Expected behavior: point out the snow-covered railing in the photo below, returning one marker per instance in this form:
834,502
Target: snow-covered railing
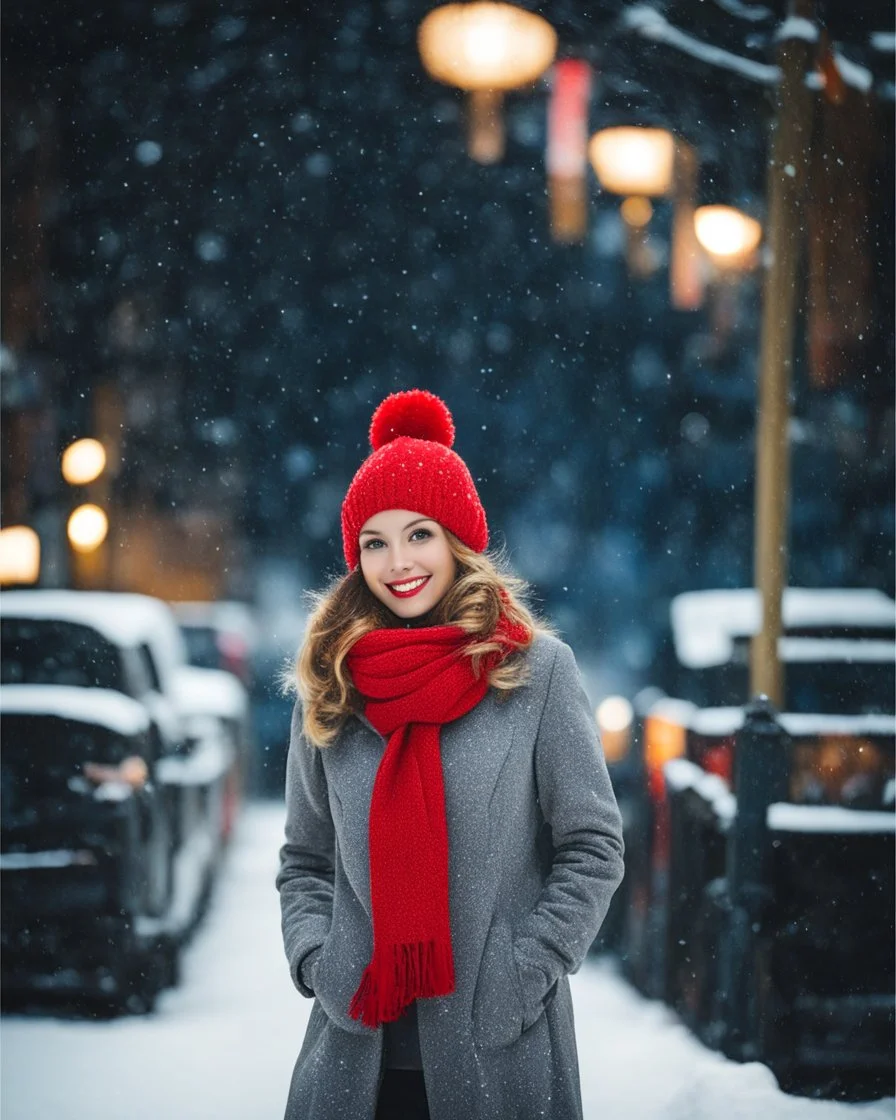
705,624
681,774
784,817
721,722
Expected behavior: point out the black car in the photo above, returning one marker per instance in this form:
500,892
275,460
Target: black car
84,848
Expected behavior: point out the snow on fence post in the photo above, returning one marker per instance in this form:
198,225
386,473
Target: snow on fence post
761,778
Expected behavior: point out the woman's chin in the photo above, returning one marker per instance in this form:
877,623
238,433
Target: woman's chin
410,616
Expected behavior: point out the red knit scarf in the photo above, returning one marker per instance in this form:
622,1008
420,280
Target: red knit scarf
413,681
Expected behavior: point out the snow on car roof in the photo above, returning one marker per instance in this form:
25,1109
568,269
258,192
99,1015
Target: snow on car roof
209,692
226,614
704,623
125,618
113,710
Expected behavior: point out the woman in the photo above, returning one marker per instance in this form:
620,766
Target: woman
452,839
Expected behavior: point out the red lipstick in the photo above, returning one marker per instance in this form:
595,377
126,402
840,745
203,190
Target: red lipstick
414,590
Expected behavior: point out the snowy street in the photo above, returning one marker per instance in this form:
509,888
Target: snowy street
221,1045
498,398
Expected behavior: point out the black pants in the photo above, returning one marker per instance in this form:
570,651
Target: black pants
402,1096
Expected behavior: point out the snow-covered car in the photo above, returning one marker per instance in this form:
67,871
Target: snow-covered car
84,847
218,635
91,639
131,643
214,705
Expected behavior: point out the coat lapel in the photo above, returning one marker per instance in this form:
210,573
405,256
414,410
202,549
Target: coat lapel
475,749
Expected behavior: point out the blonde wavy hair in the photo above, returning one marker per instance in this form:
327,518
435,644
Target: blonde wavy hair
483,589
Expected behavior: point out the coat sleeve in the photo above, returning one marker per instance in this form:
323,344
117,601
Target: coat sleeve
578,804
305,878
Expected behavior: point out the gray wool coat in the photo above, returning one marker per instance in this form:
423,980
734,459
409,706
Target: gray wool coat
535,854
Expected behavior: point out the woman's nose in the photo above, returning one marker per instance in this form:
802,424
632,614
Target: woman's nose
400,561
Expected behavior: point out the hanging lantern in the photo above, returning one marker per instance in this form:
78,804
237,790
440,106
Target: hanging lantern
633,160
728,235
566,152
19,555
485,48
640,163
83,461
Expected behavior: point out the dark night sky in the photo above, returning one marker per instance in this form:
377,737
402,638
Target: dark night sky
261,219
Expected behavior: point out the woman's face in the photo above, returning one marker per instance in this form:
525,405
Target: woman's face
406,561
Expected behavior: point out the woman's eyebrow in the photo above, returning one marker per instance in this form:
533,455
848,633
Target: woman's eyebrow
376,533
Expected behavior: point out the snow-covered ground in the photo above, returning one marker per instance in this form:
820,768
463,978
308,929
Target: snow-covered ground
221,1046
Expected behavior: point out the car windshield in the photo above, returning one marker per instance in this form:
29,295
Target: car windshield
51,651
202,646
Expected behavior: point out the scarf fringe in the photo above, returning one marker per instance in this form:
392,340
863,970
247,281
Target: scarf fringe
398,975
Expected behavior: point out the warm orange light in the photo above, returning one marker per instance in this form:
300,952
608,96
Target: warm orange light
633,160
19,555
87,528
83,461
636,211
614,721
663,740
728,235
132,771
485,45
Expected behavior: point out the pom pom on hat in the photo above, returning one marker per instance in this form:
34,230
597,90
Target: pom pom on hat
414,413
413,467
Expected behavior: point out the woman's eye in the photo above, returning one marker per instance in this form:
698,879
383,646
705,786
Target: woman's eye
422,534
371,543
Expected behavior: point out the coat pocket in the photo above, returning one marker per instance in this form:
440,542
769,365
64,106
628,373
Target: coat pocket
334,985
498,1004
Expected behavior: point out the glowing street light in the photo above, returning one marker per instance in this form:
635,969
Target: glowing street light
87,528
19,555
614,716
83,461
485,48
729,236
633,160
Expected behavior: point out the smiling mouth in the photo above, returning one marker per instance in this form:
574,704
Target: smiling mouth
408,587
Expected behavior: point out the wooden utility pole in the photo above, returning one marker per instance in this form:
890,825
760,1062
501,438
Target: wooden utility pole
787,171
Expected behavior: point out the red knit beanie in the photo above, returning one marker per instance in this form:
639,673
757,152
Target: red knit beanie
413,467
